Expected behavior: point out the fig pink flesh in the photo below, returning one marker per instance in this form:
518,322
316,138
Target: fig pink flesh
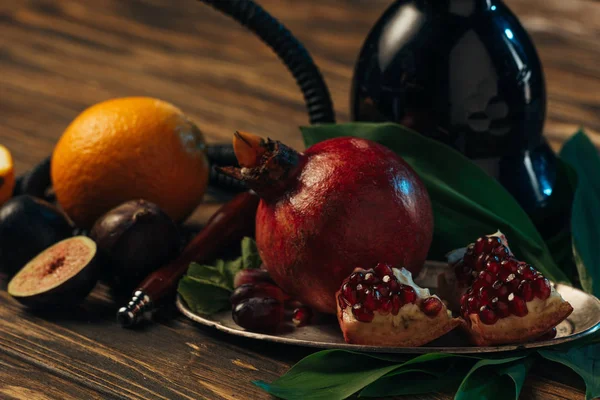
354,203
52,267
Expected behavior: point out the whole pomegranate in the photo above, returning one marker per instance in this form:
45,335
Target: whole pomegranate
343,203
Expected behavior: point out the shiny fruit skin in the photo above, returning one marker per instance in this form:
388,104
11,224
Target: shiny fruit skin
7,175
258,314
250,290
134,239
355,202
125,149
28,226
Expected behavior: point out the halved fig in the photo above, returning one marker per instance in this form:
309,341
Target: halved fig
62,275
384,307
503,300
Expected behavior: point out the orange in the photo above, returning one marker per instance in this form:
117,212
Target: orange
7,175
125,149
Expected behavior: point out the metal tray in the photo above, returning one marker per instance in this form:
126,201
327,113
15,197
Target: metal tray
325,333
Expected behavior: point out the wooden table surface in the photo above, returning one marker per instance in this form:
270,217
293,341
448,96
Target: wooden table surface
59,57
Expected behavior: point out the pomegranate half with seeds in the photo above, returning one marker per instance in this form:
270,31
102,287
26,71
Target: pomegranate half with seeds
342,203
503,300
384,307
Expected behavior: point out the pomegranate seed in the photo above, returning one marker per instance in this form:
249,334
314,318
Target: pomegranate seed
511,265
501,251
517,305
396,304
407,294
342,302
432,306
527,271
551,334
487,244
509,278
542,288
486,277
493,265
513,285
370,277
393,284
486,294
383,269
361,313
479,245
302,316
385,307
464,298
503,274
472,305
479,283
497,284
525,291
369,301
502,309
502,291
487,315
480,262
382,289
349,293
356,278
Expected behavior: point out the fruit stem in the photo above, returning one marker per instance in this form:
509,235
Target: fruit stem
248,148
268,166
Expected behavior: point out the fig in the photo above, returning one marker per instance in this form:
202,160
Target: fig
27,226
503,300
60,276
133,240
343,202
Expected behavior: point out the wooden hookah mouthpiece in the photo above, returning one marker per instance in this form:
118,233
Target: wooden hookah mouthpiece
229,224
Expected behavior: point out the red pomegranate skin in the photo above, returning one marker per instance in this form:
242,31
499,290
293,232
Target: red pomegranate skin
353,203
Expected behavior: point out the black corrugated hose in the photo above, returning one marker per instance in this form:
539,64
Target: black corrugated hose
288,49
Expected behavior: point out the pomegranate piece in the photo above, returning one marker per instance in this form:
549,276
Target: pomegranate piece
258,314
302,316
252,276
383,190
551,334
249,290
493,290
390,310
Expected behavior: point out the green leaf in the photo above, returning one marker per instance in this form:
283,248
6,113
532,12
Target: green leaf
210,275
250,256
203,297
328,375
583,156
467,202
442,374
500,378
585,361
563,192
206,288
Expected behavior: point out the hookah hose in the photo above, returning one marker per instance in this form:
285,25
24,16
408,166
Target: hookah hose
291,52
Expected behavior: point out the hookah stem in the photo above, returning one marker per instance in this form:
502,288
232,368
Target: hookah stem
295,57
288,49
229,224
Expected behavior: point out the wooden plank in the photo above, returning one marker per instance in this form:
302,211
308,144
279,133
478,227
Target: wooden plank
58,57
22,381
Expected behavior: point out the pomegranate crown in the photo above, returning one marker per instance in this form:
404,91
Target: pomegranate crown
266,166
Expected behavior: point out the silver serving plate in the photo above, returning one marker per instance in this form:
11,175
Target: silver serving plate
325,333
